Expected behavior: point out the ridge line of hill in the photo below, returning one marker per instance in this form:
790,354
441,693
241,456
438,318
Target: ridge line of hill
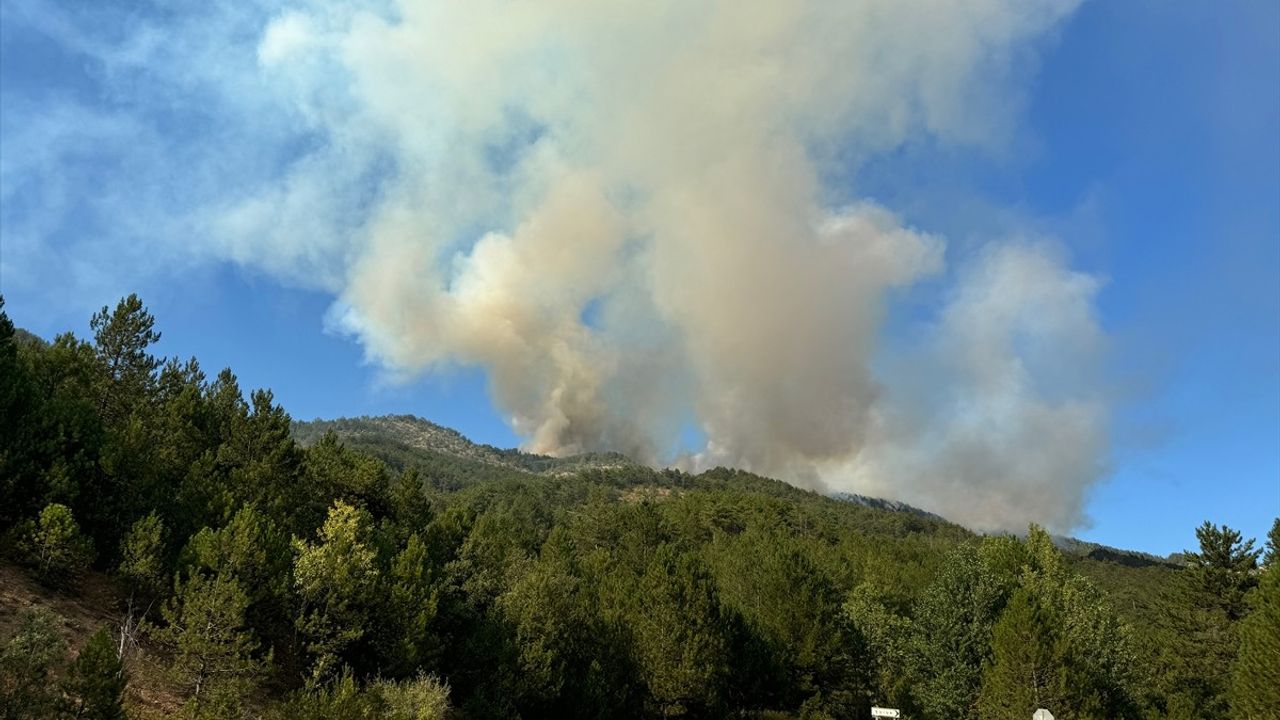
452,460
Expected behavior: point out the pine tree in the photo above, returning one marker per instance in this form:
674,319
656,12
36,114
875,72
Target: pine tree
19,408
121,338
250,549
55,548
214,653
817,656
338,472
681,638
543,609
9,367
142,558
254,552
1096,657
411,600
1255,677
96,680
1198,625
1223,568
28,662
410,506
887,635
1028,662
951,639
264,466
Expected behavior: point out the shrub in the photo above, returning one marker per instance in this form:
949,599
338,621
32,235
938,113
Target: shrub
95,682
28,662
424,698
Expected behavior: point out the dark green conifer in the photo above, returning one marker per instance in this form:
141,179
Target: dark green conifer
215,659
96,680
1028,669
1255,677
121,339
142,565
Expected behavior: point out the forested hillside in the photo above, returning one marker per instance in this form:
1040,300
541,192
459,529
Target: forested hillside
235,564
442,455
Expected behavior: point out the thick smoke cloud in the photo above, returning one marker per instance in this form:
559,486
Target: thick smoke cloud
621,211
1001,416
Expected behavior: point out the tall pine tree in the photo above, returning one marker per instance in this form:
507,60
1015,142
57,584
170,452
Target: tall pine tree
1255,677
215,662
121,338
1198,633
1028,669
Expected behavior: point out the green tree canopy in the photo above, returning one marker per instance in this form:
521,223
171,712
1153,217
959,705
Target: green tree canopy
411,603
28,662
887,635
335,579
951,639
19,440
1028,662
1224,567
121,339
681,634
215,654
96,680
1198,625
1273,543
1255,677
54,546
142,557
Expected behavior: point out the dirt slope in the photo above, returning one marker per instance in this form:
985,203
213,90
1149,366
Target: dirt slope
94,603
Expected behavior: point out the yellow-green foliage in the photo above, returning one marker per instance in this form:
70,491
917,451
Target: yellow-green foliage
54,546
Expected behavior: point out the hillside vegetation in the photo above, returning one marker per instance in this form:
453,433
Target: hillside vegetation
190,551
442,455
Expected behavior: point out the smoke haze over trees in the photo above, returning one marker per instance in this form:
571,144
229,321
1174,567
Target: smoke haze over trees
262,578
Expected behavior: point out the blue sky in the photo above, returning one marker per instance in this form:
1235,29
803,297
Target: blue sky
1146,142
1184,168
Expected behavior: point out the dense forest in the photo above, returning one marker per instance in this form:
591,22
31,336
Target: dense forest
246,571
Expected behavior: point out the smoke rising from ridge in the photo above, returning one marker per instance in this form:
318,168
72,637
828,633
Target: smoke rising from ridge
622,212
645,183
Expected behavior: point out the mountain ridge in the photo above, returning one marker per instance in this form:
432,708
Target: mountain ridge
452,460
400,440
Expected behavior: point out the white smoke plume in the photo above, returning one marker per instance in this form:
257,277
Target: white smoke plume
1002,416
620,210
